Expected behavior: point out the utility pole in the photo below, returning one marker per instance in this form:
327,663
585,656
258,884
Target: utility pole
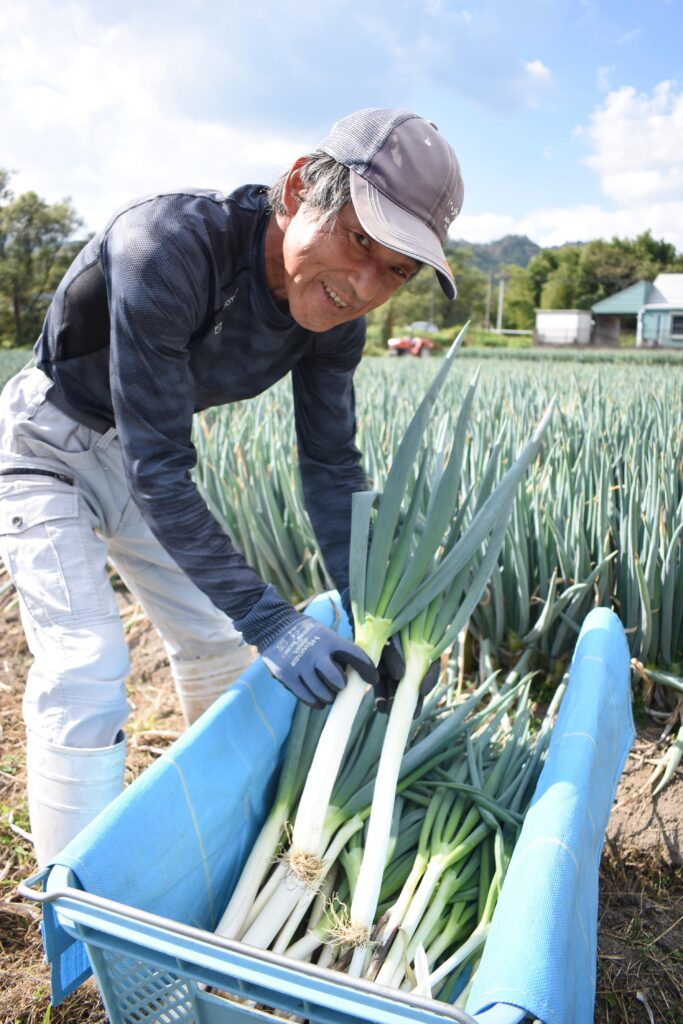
501,296
489,289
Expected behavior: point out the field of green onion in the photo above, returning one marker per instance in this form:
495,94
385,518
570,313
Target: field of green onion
598,520
397,880
502,508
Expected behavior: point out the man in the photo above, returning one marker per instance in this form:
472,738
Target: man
188,300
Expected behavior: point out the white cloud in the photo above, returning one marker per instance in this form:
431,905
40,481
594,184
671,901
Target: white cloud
535,83
637,153
482,227
628,37
103,125
103,103
636,140
558,225
537,69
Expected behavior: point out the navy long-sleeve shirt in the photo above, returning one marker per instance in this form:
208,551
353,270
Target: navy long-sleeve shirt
167,312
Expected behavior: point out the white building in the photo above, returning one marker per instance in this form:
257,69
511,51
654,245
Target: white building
563,326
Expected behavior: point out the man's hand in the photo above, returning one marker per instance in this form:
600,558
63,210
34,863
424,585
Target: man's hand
309,659
391,669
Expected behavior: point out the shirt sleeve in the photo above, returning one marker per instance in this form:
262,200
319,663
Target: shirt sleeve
330,462
159,287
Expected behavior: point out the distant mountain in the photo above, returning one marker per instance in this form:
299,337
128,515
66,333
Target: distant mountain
490,256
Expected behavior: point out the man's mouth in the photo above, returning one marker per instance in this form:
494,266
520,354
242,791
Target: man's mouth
339,303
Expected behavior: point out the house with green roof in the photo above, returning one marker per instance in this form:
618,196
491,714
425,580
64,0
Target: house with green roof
658,306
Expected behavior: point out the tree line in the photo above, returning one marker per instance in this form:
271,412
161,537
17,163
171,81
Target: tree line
38,242
569,277
37,245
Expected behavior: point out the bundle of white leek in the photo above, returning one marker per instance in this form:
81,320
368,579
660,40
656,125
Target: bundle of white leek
463,788
420,576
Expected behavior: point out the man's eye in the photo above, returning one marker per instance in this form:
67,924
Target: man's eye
362,239
401,273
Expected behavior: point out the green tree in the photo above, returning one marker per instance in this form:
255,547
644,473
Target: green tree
422,299
539,270
608,267
5,192
559,290
654,256
604,269
570,277
472,284
36,247
519,308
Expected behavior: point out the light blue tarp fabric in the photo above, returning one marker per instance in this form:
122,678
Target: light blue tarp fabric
541,952
173,842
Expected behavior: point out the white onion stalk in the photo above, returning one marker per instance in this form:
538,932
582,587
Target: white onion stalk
305,860
308,828
372,631
366,894
473,944
305,727
291,900
330,858
480,933
468,839
445,599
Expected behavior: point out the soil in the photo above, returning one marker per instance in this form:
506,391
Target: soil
640,932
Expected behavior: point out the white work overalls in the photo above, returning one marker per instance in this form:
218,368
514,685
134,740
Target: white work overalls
65,511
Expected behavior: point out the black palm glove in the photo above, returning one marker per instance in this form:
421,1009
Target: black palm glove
305,656
309,659
391,668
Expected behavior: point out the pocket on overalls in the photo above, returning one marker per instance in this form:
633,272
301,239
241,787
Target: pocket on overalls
35,524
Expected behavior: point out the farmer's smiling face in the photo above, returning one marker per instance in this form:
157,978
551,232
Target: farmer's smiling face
329,273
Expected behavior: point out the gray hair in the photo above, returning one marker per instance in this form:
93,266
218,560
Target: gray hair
327,185
328,189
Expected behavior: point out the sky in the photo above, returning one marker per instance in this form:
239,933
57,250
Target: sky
566,115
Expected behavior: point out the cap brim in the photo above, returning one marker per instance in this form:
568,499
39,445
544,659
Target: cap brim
391,225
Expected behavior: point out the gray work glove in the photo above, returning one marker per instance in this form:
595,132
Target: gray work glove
306,657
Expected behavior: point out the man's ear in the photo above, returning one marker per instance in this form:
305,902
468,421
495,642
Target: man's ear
292,192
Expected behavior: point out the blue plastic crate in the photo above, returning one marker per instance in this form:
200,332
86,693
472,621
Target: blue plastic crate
151,969
141,890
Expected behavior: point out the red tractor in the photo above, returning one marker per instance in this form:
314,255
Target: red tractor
414,346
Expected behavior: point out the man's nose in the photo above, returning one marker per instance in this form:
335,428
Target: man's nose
365,280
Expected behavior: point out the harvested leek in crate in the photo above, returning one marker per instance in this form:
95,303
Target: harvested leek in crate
463,788
421,585
140,885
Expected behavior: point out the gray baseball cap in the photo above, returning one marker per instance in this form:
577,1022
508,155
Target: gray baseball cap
406,184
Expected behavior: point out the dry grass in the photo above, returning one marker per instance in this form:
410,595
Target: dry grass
640,929
155,722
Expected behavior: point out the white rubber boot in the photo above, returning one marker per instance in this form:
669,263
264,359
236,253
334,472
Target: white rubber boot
67,788
201,681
